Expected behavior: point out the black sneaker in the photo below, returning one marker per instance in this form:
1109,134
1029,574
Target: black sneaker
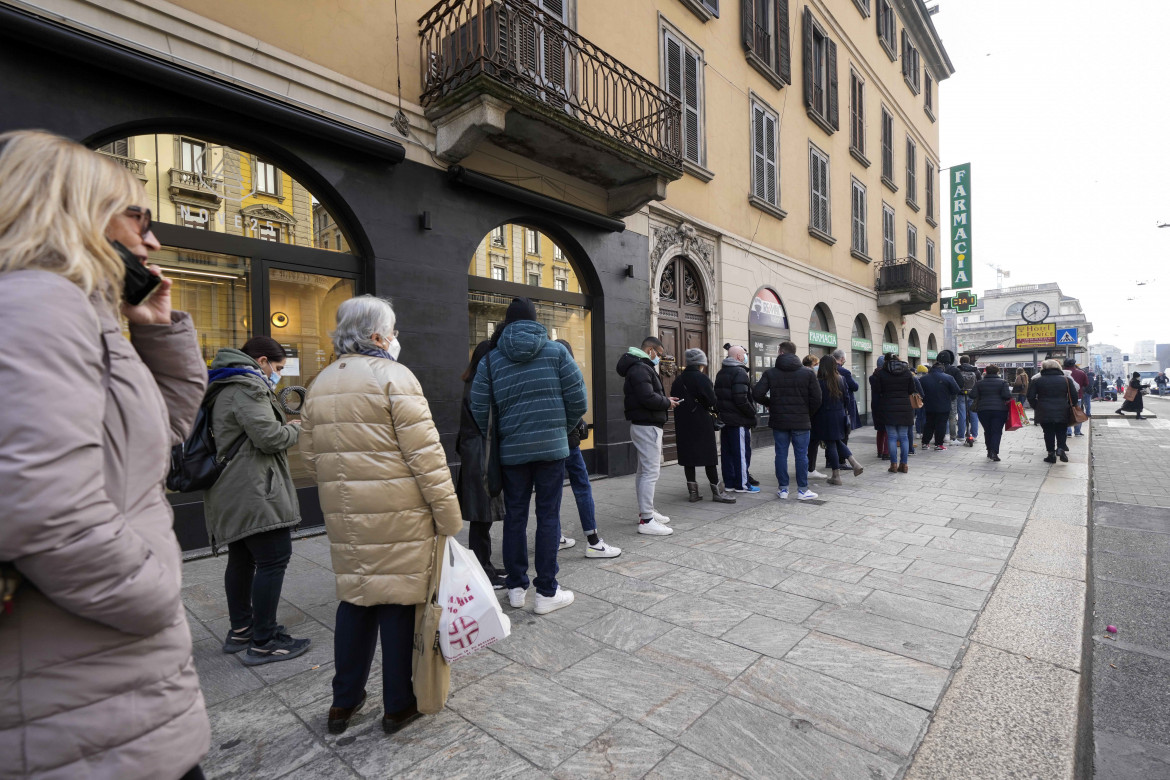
281,647
237,643
753,481
497,581
1063,456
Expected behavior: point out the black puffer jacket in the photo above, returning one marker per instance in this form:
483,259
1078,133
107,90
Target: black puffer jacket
791,393
1050,395
733,395
646,400
947,358
991,395
892,385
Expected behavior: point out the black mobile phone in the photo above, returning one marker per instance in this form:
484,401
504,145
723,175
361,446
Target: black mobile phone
139,282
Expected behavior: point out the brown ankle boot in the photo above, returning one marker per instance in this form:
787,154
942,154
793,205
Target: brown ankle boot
339,716
836,478
904,469
893,467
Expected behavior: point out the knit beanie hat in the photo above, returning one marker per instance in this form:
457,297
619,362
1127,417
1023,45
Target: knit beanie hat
921,369
696,357
520,309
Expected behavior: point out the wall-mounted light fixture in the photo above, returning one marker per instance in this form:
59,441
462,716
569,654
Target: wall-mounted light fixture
279,319
629,271
424,221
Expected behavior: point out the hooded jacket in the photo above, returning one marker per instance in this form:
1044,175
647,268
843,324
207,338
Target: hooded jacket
991,395
1052,395
791,393
255,493
967,368
948,360
733,395
96,674
538,390
382,475
892,385
938,388
646,402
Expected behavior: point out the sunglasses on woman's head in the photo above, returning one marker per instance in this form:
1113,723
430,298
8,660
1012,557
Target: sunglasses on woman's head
143,217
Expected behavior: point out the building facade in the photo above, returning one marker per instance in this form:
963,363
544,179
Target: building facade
988,331
707,171
1107,360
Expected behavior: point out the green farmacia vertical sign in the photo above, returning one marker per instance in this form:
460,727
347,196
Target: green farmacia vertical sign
961,226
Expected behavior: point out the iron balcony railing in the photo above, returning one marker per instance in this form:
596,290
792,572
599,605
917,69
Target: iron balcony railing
907,274
520,46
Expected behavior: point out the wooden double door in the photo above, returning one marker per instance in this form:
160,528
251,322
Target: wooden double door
682,325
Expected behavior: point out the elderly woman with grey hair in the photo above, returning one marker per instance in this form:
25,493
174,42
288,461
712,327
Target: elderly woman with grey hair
694,423
388,501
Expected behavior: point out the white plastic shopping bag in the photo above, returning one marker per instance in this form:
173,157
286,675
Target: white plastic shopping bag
472,618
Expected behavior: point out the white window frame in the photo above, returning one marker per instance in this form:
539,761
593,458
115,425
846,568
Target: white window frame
911,241
188,160
531,241
818,158
889,241
765,167
856,112
911,172
561,283
859,238
533,275
498,239
692,105
500,273
930,254
265,177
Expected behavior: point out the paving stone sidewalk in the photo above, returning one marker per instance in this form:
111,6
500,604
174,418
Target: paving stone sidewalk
764,639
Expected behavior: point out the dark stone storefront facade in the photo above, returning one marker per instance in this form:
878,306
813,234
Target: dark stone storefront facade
57,79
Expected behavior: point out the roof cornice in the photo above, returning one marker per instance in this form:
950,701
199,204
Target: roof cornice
915,17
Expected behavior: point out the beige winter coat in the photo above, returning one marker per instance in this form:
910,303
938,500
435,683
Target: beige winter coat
96,674
385,488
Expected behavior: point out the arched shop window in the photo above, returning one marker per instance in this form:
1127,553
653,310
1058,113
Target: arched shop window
914,350
520,261
252,251
767,327
931,347
890,339
861,362
822,335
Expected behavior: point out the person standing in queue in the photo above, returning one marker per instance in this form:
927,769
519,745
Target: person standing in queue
646,406
991,398
737,411
1052,395
939,390
694,423
252,508
792,396
893,387
879,422
829,421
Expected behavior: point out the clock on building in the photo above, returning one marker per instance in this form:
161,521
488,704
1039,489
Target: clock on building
1036,311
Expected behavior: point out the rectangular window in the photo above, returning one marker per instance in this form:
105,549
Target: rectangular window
266,177
561,284
886,27
192,153
888,150
498,236
930,254
534,279
765,183
683,73
888,248
928,92
531,241
909,62
911,172
765,39
499,273
818,178
930,173
856,112
558,255
859,242
820,74
911,242
863,6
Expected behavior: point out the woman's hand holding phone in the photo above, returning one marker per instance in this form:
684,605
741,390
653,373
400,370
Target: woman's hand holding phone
155,310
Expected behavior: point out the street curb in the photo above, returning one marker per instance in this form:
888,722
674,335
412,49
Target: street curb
1018,705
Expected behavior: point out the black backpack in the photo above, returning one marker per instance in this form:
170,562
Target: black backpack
969,380
193,463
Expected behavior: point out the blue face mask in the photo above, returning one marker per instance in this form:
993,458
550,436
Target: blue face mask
274,379
655,360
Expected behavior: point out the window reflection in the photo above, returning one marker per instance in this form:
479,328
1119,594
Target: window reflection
195,183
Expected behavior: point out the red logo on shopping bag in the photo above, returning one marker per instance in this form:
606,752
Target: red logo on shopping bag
462,600
463,632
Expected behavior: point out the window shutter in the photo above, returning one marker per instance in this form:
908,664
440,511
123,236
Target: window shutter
691,106
770,173
747,17
832,66
881,7
905,56
807,56
759,157
674,67
712,6
782,41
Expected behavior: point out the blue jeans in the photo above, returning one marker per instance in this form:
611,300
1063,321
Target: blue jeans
1087,406
799,442
966,407
547,478
899,436
579,479
354,641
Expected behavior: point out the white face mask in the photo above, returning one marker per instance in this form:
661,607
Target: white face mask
394,348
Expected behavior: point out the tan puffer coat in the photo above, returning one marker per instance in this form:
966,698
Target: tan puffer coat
385,488
96,674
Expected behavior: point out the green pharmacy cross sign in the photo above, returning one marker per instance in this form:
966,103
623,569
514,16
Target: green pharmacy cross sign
964,301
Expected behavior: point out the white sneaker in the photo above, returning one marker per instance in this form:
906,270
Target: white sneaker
661,517
805,495
654,528
517,596
818,475
567,542
602,550
782,494
547,604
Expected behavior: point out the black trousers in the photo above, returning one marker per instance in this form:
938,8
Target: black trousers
712,474
993,423
479,541
195,773
1055,435
354,642
936,427
253,579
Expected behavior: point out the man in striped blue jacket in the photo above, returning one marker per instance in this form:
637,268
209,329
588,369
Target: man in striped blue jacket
539,395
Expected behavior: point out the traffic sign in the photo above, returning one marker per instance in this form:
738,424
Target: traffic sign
1066,336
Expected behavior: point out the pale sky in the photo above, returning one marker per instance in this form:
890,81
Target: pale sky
1061,108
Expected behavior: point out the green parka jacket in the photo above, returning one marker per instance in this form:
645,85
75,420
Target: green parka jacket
255,492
